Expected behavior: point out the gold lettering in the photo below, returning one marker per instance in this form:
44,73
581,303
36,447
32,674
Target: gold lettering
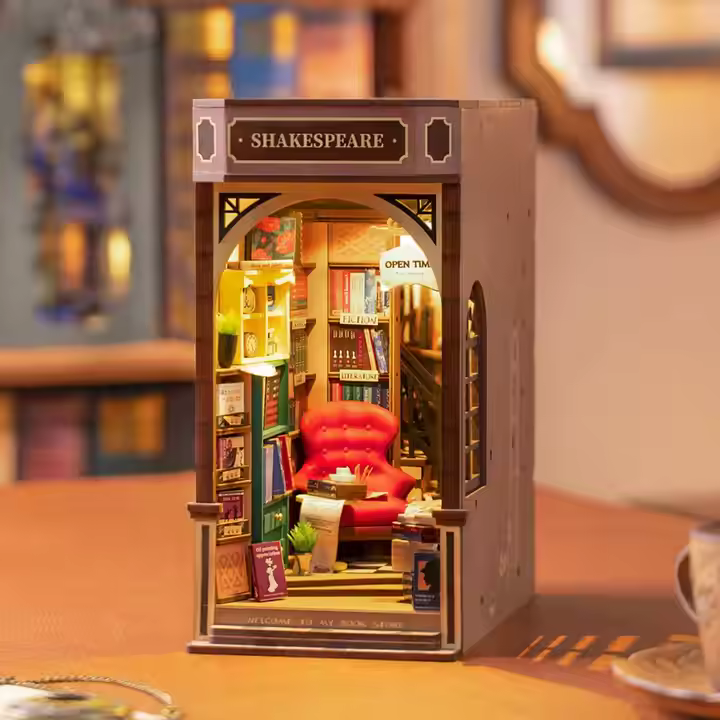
378,140
365,140
317,140
256,140
268,140
281,141
328,140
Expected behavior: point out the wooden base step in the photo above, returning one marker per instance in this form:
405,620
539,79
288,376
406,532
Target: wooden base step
293,649
395,590
371,614
340,579
323,638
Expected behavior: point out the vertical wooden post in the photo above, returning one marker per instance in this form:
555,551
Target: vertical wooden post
453,344
204,342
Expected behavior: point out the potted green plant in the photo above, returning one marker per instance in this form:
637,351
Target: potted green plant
228,329
303,537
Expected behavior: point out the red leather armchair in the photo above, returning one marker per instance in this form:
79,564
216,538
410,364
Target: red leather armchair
345,434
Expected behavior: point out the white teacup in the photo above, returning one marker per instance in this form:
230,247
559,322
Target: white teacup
697,585
342,475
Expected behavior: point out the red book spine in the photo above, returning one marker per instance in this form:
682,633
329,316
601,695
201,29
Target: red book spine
360,339
335,292
346,291
287,462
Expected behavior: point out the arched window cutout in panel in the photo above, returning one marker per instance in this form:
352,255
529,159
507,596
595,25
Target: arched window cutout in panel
476,392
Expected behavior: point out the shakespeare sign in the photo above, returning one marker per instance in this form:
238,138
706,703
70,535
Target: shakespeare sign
318,140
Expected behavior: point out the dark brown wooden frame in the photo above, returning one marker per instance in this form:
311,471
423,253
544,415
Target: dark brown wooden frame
578,128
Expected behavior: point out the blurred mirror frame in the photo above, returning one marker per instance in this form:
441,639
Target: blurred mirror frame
576,126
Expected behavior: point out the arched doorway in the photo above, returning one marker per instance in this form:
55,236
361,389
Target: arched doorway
414,388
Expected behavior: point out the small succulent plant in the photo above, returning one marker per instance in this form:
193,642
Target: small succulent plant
228,323
303,537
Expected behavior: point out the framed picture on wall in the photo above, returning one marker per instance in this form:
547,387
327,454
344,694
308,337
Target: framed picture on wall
272,239
659,33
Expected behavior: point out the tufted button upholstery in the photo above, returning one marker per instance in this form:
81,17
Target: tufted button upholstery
348,433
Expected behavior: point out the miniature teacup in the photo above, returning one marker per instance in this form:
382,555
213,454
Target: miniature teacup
342,475
697,585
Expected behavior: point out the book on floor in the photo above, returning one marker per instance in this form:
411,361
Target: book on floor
426,581
268,571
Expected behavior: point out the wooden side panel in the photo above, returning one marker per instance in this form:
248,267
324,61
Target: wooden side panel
453,317
315,250
8,439
498,195
205,342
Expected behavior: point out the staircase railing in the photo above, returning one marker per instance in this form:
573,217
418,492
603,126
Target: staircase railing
420,415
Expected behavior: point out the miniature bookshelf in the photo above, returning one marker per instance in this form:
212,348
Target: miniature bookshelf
290,308
233,482
265,288
272,491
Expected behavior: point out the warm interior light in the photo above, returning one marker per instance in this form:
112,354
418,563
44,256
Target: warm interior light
77,86
260,370
72,254
283,279
284,35
409,241
217,85
235,255
247,281
551,47
119,258
36,75
219,33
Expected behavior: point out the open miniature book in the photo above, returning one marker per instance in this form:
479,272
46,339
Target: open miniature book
419,512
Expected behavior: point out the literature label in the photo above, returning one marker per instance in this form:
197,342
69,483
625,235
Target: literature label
359,376
298,323
299,378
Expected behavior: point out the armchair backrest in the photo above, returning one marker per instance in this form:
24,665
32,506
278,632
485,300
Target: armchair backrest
349,433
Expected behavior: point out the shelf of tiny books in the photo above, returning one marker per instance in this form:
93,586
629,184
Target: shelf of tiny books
234,521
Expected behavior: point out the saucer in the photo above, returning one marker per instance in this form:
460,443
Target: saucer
674,675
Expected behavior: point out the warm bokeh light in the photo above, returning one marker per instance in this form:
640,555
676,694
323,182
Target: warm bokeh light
119,257
219,33
284,35
552,49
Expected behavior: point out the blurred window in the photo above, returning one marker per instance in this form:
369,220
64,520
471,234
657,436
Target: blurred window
475,392
132,426
73,145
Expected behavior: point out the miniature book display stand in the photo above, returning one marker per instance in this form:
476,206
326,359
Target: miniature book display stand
364,375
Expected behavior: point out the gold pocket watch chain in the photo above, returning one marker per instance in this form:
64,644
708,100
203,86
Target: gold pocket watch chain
169,711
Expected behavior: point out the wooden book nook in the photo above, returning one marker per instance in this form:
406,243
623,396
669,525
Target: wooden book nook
330,232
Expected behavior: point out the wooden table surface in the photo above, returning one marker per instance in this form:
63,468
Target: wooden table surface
101,583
